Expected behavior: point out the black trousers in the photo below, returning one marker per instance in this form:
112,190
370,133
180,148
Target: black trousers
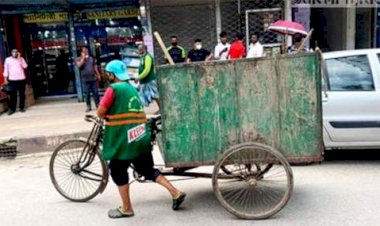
18,87
91,87
143,165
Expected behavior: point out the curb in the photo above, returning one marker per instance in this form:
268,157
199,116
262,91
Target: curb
22,146
40,144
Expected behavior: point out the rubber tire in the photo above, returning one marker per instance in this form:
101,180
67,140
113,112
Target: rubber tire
102,185
272,151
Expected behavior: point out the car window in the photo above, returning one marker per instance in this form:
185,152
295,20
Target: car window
351,73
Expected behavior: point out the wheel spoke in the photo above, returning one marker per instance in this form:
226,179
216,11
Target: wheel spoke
252,181
69,179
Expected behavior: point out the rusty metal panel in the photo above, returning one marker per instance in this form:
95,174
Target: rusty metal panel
300,107
218,109
207,108
181,131
258,101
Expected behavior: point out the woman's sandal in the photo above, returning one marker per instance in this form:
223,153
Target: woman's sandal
119,213
178,201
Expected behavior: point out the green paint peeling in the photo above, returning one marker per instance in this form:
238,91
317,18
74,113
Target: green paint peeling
207,108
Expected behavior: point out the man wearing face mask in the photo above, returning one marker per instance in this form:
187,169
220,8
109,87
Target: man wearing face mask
126,118
176,51
198,53
89,72
14,74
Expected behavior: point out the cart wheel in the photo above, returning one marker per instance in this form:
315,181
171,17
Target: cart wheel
69,175
252,181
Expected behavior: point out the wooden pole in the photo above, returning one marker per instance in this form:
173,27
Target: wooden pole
305,40
163,47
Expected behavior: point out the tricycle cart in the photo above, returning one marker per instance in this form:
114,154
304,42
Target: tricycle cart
248,118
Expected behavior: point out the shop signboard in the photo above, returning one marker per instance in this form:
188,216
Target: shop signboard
45,17
93,15
122,13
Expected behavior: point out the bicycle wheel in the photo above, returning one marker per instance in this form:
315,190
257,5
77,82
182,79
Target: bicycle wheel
252,181
71,177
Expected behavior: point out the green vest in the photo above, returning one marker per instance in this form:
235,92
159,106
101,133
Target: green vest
127,135
152,73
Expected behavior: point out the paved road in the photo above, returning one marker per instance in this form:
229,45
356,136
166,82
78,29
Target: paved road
337,192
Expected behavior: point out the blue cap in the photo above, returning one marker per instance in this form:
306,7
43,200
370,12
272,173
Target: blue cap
118,68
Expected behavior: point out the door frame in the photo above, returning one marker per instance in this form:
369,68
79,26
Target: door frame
251,11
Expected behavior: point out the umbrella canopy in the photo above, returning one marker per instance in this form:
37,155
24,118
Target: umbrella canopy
286,27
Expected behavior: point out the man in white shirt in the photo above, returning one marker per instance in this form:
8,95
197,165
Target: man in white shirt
255,48
223,47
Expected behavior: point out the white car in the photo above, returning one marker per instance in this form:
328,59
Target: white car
351,99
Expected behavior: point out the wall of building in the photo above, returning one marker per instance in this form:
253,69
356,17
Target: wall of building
188,22
204,19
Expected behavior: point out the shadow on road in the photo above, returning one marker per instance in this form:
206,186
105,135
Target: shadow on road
368,154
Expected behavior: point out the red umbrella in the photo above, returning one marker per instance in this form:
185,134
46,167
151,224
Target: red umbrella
287,27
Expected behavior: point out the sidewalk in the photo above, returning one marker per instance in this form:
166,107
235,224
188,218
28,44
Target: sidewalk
46,124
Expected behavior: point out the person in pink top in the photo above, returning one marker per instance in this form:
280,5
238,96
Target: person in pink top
14,74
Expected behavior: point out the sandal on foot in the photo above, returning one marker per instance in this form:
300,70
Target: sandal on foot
119,213
178,201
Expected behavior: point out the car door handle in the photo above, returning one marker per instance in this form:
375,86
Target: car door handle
325,97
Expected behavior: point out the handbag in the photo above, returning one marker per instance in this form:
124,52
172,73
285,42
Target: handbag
8,88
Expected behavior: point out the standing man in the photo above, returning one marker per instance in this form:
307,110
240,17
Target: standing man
237,50
14,74
297,39
255,48
63,72
221,50
90,75
147,77
198,53
176,51
122,106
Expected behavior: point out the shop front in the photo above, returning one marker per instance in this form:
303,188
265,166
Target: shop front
52,40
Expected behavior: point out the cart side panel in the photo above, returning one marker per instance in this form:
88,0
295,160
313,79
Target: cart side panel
179,109
258,101
300,108
218,120
208,107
